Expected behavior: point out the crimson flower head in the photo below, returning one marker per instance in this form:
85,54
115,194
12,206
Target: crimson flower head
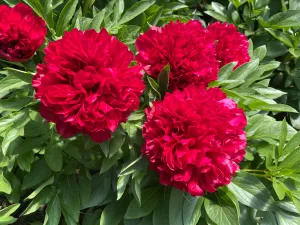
231,45
86,84
195,145
21,32
187,48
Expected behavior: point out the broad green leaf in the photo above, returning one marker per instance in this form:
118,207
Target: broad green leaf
160,214
10,83
97,21
53,212
54,156
118,10
292,144
153,20
10,135
121,185
150,198
69,195
192,209
226,70
87,5
36,6
294,4
7,211
285,218
7,220
92,217
272,108
291,161
42,198
286,19
283,135
40,188
296,199
163,80
100,188
114,212
281,36
29,144
216,15
260,53
135,10
5,186
22,75
14,104
39,173
65,17
116,143
107,163
222,210
177,199
131,167
173,6
279,189
244,70
85,186
250,191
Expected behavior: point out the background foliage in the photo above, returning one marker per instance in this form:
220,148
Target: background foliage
47,180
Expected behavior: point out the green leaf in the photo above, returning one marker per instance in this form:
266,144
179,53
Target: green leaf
9,210
39,173
150,198
153,20
100,188
222,210
70,200
14,104
121,185
272,108
296,199
42,198
163,80
160,214
292,144
250,191
244,70
135,10
92,218
291,161
10,135
192,209
85,186
36,6
10,83
133,166
282,137
279,189
40,188
114,212
97,20
283,37
173,6
118,10
53,212
54,156
29,144
116,143
22,75
226,70
5,186
107,163
177,199
216,15
65,17
260,53
286,19
7,220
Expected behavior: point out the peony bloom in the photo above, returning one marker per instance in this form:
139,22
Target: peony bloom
186,48
231,45
21,32
196,144
86,84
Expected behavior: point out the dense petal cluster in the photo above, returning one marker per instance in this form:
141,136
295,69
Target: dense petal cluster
197,143
87,85
231,45
21,32
195,54
186,48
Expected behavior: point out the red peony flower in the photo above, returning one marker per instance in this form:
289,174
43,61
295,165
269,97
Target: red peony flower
197,143
21,32
186,48
231,45
86,84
